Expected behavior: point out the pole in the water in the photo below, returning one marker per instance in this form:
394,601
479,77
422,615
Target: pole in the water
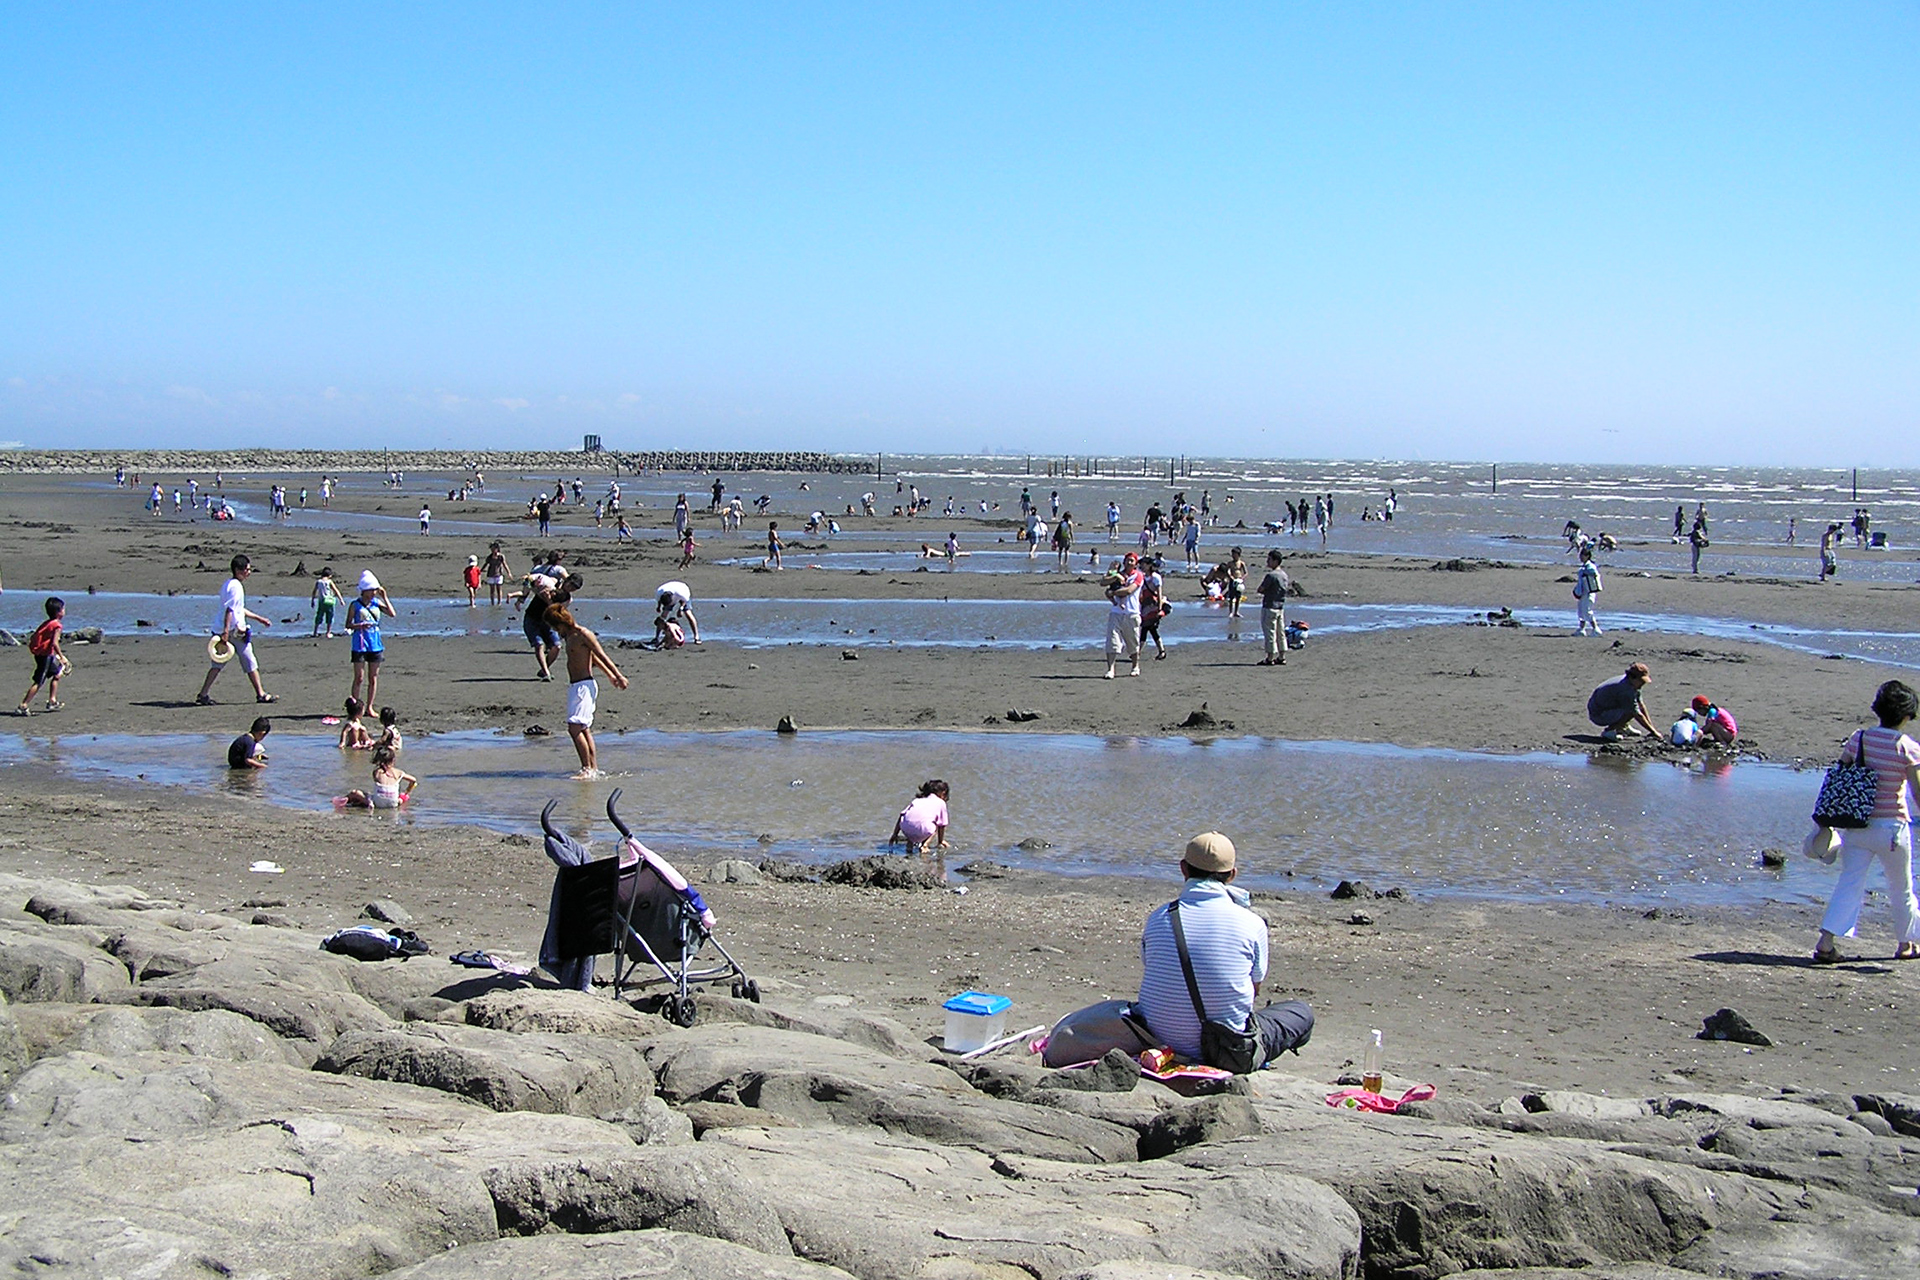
1856,484
1496,477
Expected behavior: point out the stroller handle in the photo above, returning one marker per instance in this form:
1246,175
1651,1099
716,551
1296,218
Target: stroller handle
613,814
546,818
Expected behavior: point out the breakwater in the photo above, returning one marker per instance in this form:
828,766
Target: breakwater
159,462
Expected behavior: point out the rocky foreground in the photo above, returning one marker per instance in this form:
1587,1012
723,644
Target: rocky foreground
192,1093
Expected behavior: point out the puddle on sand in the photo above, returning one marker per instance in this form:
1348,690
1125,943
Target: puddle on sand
1538,827
916,623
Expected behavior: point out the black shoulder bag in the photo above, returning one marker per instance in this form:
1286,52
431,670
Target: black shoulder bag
1222,1045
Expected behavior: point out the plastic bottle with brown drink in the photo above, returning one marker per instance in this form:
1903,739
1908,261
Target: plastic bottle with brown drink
1372,1070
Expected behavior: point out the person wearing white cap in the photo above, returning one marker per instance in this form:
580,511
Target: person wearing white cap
363,625
1204,956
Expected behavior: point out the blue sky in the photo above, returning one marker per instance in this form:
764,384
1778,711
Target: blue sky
1532,232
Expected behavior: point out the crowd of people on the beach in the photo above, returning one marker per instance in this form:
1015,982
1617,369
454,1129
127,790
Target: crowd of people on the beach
1207,938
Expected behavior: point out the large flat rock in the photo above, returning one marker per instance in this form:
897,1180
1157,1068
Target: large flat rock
155,1165
881,1034
617,1255
39,962
504,1070
115,1031
990,1125
311,1018
1438,1198
818,1081
698,1062
695,1189
927,1212
13,1045
563,1012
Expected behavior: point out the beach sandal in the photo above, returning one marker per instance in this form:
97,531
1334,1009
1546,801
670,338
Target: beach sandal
1907,951
203,700
1829,956
56,706
268,697
23,710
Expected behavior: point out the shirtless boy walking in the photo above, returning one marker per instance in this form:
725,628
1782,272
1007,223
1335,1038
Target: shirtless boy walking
584,654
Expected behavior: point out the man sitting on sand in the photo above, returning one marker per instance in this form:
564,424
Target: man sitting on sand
1226,952
1616,708
584,654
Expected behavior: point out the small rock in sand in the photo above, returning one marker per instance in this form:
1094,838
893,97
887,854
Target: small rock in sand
1359,889
1728,1025
387,911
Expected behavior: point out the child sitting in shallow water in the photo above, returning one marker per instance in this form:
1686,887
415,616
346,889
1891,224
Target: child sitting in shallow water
390,783
389,731
353,732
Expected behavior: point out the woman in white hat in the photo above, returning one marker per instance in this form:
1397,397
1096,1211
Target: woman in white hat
363,625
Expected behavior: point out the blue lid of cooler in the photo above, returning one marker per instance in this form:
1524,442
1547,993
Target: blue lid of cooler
981,1004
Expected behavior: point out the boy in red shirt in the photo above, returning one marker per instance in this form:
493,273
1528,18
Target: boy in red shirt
49,664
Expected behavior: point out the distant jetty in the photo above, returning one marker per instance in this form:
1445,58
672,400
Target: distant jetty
563,462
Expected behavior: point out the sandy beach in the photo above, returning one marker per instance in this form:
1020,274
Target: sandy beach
1480,997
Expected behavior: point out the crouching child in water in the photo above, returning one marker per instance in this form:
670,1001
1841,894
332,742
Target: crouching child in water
390,783
353,730
923,825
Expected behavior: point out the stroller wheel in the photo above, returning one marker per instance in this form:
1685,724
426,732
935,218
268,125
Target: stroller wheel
753,991
681,1011
738,991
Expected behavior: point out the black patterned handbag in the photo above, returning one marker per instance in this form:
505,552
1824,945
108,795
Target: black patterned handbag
1847,792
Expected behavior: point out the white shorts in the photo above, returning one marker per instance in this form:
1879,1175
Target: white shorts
1123,635
243,654
581,697
495,580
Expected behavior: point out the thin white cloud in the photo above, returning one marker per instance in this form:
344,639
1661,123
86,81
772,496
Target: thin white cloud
512,402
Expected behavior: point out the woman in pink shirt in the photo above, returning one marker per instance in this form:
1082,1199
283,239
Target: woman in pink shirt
1895,760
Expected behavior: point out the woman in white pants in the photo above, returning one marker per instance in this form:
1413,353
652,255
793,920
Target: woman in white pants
1887,839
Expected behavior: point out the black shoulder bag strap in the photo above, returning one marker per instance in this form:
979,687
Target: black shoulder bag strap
1186,961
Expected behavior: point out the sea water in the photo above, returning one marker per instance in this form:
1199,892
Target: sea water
908,623
1445,509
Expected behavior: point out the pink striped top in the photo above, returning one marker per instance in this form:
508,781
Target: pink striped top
1891,755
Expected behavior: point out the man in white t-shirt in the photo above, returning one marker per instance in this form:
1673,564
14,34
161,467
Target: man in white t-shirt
1226,944
1123,619
234,629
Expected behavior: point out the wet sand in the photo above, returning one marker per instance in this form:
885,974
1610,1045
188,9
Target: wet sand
1481,997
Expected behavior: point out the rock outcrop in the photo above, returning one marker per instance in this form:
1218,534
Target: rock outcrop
191,1093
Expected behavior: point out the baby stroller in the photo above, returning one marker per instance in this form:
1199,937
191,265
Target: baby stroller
636,906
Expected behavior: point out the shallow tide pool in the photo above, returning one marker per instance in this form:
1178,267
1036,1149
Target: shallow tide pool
1305,815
